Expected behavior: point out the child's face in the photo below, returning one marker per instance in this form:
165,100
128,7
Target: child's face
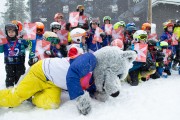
11,33
170,29
94,25
107,22
55,30
59,19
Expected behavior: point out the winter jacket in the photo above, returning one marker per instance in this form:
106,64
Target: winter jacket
92,47
107,39
80,67
14,51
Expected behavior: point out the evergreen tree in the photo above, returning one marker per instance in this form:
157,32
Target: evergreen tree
16,10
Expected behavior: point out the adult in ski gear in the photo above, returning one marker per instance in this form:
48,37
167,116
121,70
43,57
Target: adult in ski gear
14,55
46,79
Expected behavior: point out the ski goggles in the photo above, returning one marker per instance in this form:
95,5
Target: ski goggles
53,40
143,37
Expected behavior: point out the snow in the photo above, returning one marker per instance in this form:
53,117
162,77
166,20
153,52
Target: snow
152,100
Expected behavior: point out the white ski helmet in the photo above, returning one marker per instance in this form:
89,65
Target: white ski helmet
77,34
140,35
55,25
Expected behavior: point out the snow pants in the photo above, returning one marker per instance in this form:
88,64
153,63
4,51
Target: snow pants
43,92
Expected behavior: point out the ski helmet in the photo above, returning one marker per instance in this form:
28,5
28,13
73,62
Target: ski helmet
77,34
94,20
167,24
58,16
55,25
140,35
51,37
118,24
118,43
146,26
40,27
79,8
11,26
131,27
107,18
18,23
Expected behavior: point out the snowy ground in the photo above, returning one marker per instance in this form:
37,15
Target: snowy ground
151,100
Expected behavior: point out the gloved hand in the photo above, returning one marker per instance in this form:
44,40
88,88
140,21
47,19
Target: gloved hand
103,35
32,61
160,57
48,52
83,103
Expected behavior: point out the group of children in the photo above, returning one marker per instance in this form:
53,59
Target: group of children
81,40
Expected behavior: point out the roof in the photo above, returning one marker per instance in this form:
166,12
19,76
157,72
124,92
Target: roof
175,2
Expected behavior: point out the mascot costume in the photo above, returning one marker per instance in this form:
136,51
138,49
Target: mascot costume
89,76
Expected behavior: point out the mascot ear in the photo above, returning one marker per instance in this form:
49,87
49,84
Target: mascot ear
130,55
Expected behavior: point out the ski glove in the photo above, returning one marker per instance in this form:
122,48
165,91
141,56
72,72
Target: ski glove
83,103
32,61
103,35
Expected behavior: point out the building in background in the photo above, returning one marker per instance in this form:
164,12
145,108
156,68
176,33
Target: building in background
164,10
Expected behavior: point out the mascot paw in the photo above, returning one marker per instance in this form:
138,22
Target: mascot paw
101,96
83,104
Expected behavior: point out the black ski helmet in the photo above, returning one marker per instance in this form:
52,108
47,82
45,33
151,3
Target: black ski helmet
11,26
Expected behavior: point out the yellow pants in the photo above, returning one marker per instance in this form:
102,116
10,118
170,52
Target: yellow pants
44,93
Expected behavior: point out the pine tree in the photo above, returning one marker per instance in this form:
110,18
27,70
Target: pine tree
16,10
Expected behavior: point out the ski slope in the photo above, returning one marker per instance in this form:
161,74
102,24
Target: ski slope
152,100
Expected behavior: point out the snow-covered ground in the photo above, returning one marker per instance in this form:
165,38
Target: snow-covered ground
151,100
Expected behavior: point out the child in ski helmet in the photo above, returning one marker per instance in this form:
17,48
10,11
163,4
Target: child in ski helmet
55,44
55,26
167,36
78,43
14,55
39,36
58,17
93,45
176,32
107,39
146,27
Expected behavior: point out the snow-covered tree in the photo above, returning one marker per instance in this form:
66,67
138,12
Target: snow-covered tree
16,10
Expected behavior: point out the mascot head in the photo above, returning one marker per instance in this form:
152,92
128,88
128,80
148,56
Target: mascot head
112,64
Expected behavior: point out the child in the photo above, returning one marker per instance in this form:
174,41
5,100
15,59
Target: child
140,70
129,31
39,36
167,36
107,39
93,45
14,55
55,44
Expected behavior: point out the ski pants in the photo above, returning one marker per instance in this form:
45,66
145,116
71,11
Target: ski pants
43,92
